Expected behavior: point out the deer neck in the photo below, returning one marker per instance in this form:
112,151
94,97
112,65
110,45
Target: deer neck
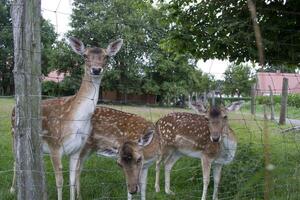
86,98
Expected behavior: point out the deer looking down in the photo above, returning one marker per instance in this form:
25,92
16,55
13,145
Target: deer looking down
66,122
206,137
130,139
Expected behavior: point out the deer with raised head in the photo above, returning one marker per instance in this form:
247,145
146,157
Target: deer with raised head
128,138
66,122
206,137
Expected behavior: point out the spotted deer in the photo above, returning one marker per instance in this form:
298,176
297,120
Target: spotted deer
128,138
207,137
66,122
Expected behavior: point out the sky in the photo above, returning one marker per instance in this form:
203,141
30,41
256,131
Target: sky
58,13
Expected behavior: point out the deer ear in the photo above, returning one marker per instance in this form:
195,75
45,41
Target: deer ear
146,138
114,47
108,152
77,45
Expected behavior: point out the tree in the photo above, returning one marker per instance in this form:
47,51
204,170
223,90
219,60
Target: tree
97,23
6,49
238,80
141,66
48,38
223,29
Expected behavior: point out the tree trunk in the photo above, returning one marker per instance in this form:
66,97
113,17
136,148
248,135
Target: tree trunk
27,71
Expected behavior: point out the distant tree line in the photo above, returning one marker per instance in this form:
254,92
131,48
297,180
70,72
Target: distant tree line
163,42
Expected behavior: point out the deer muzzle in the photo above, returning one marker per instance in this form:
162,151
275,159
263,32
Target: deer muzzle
96,71
133,188
215,138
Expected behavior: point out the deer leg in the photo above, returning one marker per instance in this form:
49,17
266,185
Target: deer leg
206,166
144,183
57,165
129,196
157,173
13,185
72,167
217,169
85,152
169,163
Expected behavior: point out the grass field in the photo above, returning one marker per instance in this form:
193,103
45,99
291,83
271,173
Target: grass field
292,112
243,179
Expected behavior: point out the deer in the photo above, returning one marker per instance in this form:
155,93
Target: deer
66,122
207,137
126,137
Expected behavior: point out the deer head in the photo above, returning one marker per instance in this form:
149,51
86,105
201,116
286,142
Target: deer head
217,122
130,158
95,58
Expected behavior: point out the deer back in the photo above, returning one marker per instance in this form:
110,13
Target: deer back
122,127
186,131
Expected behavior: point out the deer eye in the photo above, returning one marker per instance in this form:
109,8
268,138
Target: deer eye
85,56
225,117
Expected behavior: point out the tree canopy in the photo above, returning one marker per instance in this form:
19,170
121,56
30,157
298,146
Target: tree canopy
238,80
141,66
223,29
48,38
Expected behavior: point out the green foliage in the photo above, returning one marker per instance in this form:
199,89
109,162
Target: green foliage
238,80
6,49
141,66
293,100
67,87
98,23
222,29
48,38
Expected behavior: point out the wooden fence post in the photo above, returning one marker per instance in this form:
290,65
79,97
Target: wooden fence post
272,104
213,98
253,94
284,98
30,178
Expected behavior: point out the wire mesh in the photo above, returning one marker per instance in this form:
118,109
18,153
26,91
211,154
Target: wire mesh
244,178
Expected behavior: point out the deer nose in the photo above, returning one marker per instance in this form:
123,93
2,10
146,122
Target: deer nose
215,139
134,190
96,71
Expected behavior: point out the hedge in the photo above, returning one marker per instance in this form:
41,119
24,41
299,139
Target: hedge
293,100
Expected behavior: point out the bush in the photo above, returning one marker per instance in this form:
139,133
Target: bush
65,88
293,100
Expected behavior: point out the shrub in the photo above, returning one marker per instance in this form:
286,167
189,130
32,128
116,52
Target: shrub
293,100
65,88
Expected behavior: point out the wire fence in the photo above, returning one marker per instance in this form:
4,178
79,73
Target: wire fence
266,165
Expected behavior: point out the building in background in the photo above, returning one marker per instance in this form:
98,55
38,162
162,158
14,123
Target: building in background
274,79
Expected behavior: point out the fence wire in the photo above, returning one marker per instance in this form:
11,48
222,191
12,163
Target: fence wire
264,146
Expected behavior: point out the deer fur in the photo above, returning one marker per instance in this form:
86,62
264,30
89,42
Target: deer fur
206,137
128,138
66,122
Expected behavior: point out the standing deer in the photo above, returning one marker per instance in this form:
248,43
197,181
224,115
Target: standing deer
206,137
130,139
66,122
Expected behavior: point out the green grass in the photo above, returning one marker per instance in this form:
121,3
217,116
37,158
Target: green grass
292,112
243,179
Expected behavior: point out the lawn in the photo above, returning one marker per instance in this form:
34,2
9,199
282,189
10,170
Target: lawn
243,179
292,112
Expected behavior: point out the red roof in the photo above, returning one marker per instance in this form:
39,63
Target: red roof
264,79
55,76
